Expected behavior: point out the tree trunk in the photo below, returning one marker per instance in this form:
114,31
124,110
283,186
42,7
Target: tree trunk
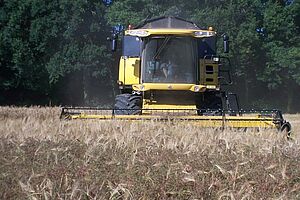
85,87
290,96
246,91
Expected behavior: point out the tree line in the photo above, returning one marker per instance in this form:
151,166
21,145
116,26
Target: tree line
56,52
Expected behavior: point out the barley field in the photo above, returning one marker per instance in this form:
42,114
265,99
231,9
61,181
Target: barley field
42,157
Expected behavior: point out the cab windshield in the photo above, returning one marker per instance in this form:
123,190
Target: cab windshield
169,60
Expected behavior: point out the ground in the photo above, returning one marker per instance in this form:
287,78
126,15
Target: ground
43,157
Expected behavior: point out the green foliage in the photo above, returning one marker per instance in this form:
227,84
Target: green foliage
281,45
18,55
44,42
270,58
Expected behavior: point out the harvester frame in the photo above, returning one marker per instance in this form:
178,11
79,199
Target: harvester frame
254,119
170,70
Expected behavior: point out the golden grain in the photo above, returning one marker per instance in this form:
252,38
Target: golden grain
44,157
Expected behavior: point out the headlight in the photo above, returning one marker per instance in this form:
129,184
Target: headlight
203,33
196,88
216,59
140,33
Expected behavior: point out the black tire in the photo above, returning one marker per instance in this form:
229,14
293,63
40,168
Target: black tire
286,128
209,103
128,104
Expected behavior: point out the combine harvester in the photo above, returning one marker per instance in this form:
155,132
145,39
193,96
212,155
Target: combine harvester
169,70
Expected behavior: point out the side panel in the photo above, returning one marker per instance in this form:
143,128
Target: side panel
207,47
209,72
129,70
131,46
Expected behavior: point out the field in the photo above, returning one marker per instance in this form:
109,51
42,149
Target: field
42,157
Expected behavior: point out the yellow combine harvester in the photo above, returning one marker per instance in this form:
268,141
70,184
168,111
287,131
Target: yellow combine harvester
170,70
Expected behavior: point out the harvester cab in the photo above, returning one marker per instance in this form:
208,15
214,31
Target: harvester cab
170,70
170,63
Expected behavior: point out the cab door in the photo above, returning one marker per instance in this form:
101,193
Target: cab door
130,62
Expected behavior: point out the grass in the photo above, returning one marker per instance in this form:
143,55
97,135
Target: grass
44,158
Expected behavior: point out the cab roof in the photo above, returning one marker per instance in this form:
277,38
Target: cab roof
169,25
167,22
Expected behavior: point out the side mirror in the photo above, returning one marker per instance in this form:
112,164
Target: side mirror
114,43
116,30
226,43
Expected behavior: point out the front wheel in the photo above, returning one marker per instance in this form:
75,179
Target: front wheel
286,129
128,104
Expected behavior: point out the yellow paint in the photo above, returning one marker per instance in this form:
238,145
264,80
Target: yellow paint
166,31
202,121
204,75
148,105
129,70
168,86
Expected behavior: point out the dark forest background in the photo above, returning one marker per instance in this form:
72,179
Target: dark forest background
55,52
